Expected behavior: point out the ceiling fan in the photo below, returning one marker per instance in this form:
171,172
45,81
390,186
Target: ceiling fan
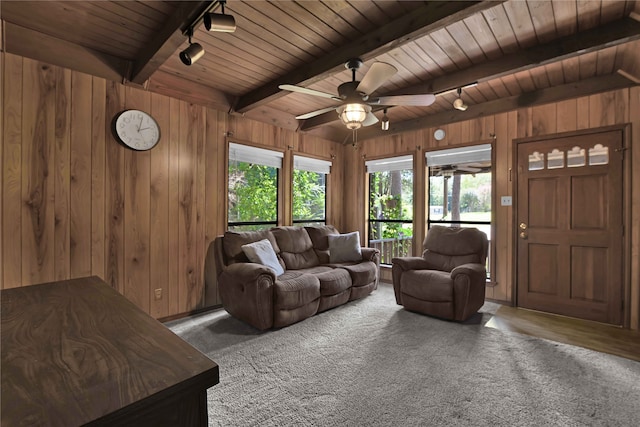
450,170
356,98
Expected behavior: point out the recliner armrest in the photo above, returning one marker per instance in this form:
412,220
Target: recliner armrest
475,271
411,263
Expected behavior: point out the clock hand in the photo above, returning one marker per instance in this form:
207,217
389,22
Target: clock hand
140,124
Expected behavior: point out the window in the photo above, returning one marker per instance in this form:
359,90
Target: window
310,190
253,187
460,189
391,206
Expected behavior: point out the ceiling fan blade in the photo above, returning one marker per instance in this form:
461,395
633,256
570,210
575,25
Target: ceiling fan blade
306,91
423,100
379,73
315,113
468,168
370,120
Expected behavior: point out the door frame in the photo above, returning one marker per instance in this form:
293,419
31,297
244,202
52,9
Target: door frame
626,209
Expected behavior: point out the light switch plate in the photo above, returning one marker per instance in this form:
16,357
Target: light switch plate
505,200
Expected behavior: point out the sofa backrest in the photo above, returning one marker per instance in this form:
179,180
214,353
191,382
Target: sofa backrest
233,241
446,248
296,248
318,235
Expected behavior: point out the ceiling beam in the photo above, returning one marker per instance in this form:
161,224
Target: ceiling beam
168,40
578,89
615,33
41,47
430,17
180,88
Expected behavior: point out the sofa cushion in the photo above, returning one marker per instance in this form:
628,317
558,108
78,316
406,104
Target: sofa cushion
296,248
296,292
362,273
262,252
334,281
344,247
233,241
318,235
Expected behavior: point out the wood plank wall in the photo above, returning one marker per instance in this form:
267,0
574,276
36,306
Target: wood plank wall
76,203
611,108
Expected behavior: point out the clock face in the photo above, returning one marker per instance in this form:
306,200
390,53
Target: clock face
137,130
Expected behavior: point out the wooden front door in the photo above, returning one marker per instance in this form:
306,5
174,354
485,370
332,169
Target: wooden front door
569,226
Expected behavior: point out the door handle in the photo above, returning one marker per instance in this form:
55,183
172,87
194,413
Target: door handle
523,235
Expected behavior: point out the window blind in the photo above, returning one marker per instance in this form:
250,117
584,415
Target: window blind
459,155
311,165
258,156
390,164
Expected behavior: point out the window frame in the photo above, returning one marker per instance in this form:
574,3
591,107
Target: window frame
246,146
376,165
491,276
311,164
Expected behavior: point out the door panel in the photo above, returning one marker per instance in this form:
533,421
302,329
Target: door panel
569,220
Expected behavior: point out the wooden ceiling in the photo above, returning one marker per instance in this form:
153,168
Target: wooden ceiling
507,54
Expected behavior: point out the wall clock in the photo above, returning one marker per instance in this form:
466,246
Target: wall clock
136,129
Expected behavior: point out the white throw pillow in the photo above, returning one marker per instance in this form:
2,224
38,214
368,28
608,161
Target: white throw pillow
344,247
261,252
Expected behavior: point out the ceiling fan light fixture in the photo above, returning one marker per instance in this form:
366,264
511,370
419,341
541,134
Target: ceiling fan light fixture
219,22
353,114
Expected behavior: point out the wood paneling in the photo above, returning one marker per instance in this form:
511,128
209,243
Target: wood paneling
77,203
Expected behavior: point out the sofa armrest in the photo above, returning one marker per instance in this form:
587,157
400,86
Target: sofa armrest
370,254
246,291
411,263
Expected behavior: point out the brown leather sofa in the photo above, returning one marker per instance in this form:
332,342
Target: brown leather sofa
310,284
449,280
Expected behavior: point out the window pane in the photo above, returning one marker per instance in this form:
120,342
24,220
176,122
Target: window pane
391,213
309,196
253,194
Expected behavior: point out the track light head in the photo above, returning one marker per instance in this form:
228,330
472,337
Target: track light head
219,22
191,54
385,121
459,104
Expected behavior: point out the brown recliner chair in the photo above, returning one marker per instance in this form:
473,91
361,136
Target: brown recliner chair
449,280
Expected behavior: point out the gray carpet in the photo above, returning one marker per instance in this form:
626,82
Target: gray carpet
372,363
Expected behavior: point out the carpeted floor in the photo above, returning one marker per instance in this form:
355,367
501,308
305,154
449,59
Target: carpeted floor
372,363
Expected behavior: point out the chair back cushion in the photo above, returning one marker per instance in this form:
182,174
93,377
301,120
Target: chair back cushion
446,248
296,248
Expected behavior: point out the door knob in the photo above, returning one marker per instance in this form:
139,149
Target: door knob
523,235
523,226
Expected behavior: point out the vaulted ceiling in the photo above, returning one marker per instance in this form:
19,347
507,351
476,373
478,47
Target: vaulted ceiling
506,54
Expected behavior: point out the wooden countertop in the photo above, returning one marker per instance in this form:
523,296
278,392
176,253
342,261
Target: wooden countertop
76,351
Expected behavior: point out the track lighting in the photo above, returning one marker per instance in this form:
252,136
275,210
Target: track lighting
385,121
459,104
192,53
219,21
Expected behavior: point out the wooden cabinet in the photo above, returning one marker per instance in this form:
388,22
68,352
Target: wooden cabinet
76,352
